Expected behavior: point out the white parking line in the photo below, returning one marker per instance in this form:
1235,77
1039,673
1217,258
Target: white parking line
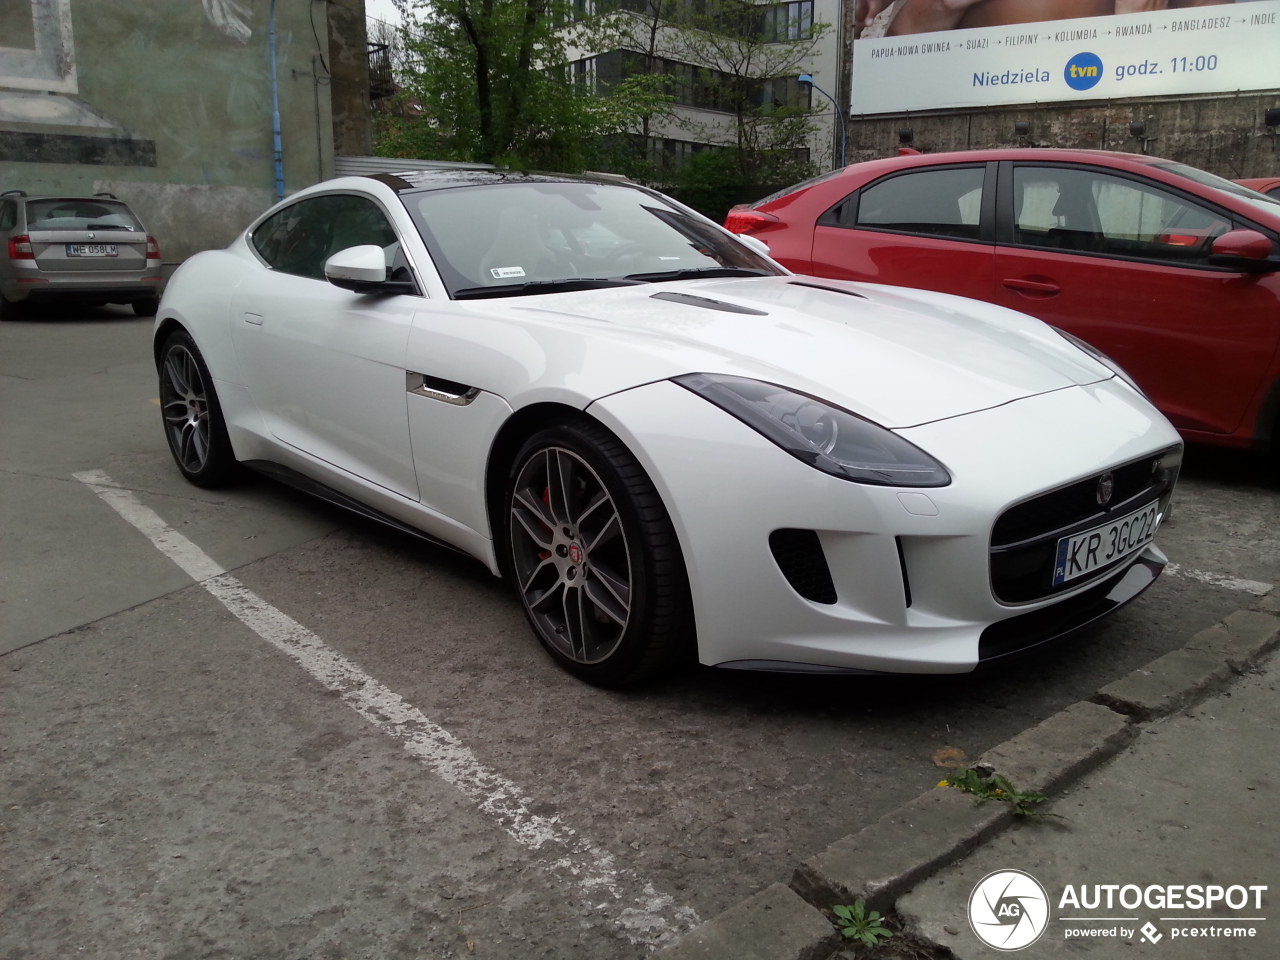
1256,587
645,915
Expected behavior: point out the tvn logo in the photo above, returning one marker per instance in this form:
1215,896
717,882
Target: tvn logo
1083,71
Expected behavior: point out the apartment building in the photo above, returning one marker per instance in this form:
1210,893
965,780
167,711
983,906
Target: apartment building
719,60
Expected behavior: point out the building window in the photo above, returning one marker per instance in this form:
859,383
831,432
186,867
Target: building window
692,86
787,21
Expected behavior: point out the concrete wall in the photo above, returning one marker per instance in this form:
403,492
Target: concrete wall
349,87
1222,134
167,103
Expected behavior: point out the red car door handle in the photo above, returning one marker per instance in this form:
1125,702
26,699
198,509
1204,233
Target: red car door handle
1032,286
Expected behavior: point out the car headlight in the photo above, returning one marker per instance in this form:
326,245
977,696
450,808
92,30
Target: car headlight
834,441
1102,358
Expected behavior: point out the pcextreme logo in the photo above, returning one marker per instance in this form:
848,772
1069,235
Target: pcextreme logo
1008,910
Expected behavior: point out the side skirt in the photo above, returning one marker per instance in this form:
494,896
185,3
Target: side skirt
315,488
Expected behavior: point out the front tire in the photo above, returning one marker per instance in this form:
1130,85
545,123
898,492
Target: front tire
193,423
594,557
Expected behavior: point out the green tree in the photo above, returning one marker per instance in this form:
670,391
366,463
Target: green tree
489,81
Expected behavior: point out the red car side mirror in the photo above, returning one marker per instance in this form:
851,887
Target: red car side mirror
1246,250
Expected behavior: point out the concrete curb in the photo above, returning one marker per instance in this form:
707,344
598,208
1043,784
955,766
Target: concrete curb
883,861
775,924
1211,658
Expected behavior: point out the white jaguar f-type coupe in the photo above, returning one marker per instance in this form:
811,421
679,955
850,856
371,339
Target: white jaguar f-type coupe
664,440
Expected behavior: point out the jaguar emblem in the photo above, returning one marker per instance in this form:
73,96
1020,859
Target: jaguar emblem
1106,487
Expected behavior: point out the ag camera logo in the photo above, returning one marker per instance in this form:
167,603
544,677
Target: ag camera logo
1008,910
1083,71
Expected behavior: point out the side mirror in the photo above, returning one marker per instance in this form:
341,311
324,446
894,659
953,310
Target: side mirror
363,269
1245,250
755,243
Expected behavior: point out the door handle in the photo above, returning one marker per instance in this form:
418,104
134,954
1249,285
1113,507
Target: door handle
1032,286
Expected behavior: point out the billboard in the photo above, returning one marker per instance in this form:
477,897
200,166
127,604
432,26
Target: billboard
934,54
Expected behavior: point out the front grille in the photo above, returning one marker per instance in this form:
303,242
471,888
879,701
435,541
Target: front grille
800,558
1025,537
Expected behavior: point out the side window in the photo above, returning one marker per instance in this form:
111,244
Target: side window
938,203
1089,212
300,238
8,214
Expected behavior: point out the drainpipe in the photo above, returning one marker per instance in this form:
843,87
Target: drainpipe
275,107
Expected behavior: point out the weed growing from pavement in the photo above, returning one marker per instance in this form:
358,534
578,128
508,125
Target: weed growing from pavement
858,923
992,786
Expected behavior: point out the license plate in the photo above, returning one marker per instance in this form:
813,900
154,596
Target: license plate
92,250
1086,552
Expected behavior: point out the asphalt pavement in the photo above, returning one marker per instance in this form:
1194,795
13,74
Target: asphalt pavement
175,785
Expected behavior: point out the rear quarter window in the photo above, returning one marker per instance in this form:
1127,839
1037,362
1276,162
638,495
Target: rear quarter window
940,203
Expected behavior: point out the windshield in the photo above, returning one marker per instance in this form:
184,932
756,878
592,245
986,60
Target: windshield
80,215
513,238
1207,179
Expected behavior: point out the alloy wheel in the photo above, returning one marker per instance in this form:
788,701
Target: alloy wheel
570,554
185,405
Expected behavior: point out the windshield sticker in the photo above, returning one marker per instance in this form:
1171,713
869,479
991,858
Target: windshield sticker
503,273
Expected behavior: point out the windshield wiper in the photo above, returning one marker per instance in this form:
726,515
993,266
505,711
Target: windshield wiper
107,226
690,273
541,286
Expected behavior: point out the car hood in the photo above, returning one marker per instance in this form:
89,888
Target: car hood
896,356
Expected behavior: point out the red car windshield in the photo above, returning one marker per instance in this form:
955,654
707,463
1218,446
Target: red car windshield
1269,204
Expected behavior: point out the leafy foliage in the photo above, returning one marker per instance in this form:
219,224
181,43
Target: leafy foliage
489,81
995,787
857,923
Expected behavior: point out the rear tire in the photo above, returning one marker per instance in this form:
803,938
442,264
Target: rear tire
145,308
193,423
593,556
9,310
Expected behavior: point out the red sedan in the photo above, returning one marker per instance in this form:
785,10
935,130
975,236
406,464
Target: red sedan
1167,269
1268,185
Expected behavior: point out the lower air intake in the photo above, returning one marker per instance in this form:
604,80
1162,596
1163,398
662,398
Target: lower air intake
800,558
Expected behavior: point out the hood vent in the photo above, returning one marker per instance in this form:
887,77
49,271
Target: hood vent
818,286
689,300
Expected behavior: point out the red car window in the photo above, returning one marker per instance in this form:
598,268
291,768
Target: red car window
1091,212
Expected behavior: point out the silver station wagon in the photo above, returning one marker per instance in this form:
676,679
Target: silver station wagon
89,250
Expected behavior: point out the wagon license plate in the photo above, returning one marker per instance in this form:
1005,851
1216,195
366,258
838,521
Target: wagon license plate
92,250
1086,552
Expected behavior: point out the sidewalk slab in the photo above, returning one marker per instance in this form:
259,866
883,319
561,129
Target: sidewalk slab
775,924
1192,801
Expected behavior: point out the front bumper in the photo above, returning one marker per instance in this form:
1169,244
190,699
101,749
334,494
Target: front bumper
910,568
